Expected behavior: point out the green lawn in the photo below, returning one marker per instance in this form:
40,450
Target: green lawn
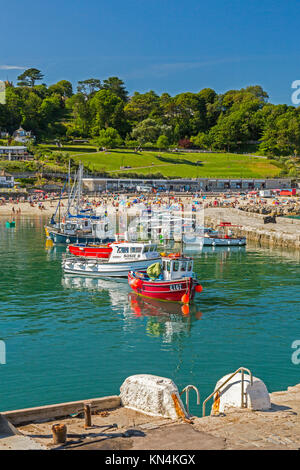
213,165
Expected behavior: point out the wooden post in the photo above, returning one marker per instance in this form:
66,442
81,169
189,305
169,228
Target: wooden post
59,432
87,415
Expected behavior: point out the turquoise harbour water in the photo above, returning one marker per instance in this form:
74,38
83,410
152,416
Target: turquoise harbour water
72,338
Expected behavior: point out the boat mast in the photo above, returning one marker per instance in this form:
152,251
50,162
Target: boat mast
79,187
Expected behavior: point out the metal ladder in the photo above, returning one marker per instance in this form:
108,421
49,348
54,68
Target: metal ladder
243,393
187,390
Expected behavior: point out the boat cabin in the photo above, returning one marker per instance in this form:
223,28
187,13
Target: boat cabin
71,226
133,251
177,267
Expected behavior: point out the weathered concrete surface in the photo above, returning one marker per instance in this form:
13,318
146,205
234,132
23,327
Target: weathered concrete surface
126,429
12,439
277,428
156,396
20,443
179,436
134,431
282,234
6,428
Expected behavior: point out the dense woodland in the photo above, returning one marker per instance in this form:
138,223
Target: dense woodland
104,112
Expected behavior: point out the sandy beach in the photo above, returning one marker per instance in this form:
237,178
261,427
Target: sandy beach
112,202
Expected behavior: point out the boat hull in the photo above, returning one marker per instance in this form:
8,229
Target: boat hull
60,237
100,251
97,269
169,291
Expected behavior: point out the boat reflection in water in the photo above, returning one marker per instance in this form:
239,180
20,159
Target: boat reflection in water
54,252
166,319
117,289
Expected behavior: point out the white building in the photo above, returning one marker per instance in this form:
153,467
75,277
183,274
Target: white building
6,180
17,152
20,135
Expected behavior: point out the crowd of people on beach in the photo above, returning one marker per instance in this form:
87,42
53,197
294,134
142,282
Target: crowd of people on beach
246,201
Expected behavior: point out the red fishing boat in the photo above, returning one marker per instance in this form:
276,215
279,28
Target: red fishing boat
91,250
173,280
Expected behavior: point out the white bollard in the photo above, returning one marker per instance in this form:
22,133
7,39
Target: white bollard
256,395
153,395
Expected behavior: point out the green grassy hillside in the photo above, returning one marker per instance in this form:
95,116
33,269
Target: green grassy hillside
172,165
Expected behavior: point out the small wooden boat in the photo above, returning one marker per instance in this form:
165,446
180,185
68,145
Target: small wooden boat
125,256
10,224
176,281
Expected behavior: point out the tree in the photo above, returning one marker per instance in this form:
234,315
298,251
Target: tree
142,106
202,140
81,115
109,138
146,131
89,87
162,142
186,113
185,143
63,88
116,86
29,77
281,135
107,110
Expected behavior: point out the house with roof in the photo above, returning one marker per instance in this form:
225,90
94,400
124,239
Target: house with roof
22,136
6,180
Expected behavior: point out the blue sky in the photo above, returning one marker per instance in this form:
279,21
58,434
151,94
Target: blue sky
164,45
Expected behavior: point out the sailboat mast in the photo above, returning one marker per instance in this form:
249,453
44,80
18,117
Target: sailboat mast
79,187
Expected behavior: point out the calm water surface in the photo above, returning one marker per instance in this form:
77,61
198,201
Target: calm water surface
72,338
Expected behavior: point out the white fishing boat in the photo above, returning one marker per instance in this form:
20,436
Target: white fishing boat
208,237
125,257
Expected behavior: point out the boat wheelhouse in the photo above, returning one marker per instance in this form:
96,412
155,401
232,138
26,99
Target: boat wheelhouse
125,256
175,281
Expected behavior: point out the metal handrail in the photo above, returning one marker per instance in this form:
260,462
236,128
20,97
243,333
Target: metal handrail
243,401
186,390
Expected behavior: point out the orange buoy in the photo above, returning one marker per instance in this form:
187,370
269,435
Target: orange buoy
198,288
185,298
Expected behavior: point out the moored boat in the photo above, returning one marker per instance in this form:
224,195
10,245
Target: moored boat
91,250
125,256
209,237
84,230
174,282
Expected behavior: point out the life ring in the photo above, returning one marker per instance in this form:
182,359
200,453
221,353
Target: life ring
174,255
